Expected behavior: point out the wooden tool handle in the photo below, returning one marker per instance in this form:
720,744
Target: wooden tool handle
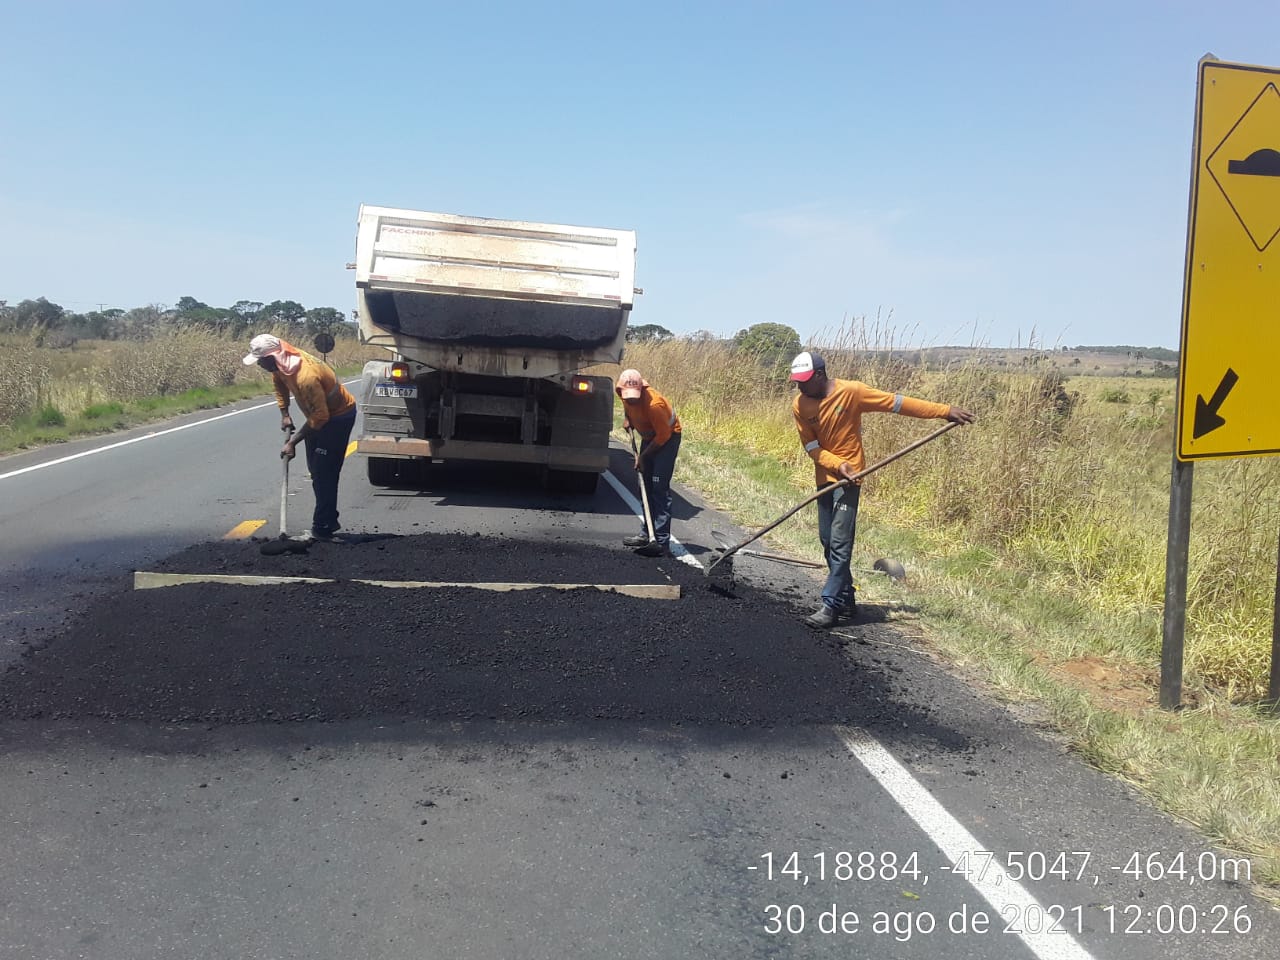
833,486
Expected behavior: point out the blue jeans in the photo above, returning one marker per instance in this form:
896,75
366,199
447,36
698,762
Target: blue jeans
326,449
837,522
657,484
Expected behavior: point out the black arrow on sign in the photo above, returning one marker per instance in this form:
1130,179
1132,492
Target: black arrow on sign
1207,418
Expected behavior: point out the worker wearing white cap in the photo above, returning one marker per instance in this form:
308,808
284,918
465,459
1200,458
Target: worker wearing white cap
330,412
650,414
828,414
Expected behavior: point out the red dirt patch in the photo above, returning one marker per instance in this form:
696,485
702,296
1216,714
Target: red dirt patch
1124,688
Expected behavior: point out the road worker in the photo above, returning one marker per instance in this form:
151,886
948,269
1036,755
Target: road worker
828,415
648,413
330,412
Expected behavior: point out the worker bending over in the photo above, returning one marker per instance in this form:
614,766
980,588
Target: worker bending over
330,412
648,413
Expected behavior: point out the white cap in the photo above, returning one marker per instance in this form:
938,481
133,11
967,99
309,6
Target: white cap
263,345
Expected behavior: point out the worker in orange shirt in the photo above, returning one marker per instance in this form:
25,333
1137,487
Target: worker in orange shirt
330,412
828,414
648,413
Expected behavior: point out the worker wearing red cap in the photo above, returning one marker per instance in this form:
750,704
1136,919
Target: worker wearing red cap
828,414
650,415
330,411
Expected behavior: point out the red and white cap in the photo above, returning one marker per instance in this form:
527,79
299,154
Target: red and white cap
631,384
805,365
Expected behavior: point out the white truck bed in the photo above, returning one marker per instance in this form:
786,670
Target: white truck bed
472,294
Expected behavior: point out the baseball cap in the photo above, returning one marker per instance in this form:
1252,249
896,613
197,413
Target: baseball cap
263,345
805,365
631,384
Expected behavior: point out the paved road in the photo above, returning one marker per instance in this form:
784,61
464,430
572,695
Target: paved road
416,836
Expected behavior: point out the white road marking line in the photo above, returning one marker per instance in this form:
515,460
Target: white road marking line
677,548
996,886
125,443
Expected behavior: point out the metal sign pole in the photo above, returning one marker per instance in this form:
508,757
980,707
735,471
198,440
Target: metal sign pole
1175,585
1273,688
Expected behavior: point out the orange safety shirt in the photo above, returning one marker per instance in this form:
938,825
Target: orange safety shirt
652,417
316,388
831,428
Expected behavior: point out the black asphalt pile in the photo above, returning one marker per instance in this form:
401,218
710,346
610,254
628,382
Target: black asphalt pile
496,322
244,654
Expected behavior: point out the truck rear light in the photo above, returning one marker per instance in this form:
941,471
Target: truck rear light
399,372
581,385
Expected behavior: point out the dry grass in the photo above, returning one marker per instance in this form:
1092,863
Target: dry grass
1075,498
95,372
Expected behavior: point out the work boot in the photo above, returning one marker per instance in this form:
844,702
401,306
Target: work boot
639,540
822,618
654,549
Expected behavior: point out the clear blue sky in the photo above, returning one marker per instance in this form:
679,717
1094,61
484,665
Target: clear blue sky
985,171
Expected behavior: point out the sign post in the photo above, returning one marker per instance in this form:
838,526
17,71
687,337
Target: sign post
1229,359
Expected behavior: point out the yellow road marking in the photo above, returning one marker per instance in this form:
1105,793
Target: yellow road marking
243,530
351,448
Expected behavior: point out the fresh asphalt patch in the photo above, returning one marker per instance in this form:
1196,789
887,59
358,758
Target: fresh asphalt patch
341,651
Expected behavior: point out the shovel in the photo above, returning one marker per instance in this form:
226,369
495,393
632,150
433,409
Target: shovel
283,544
644,495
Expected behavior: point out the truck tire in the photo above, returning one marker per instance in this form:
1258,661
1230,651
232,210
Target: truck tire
580,482
398,472
382,471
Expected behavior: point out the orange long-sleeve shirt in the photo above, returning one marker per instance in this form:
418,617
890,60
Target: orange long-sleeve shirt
652,418
831,428
316,388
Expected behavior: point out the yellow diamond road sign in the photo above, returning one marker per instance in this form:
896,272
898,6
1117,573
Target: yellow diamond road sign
1230,351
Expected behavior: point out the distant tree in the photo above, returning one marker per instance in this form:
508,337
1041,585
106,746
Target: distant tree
283,312
701,336
142,323
247,310
771,343
647,333
35,314
324,320
189,305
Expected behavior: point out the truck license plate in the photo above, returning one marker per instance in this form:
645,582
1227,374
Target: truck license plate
393,390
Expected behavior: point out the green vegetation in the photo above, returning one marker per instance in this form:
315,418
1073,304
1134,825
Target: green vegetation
98,411
647,332
50,325
1035,542
50,416
1136,353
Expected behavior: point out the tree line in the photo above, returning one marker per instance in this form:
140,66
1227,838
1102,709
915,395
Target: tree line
55,326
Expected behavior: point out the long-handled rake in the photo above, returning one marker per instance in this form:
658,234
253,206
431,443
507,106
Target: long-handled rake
736,548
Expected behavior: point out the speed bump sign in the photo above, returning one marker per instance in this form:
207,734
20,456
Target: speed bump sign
1229,362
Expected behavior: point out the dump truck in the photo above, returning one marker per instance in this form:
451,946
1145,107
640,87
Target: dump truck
489,326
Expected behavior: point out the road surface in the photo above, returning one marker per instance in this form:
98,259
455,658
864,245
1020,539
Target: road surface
215,771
